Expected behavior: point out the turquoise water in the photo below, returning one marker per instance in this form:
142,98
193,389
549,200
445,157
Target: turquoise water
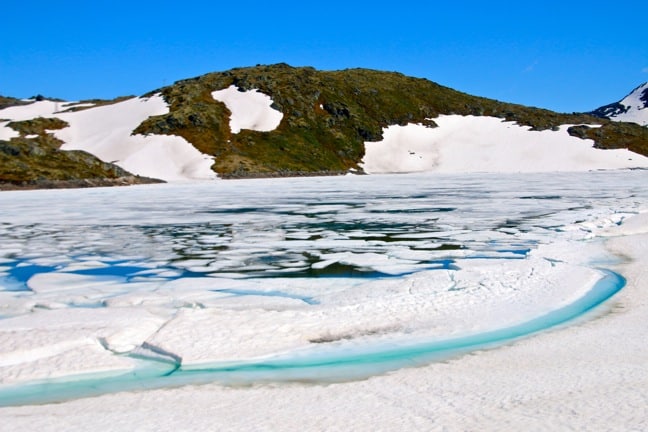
323,363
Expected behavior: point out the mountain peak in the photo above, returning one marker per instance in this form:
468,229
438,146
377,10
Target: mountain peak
632,108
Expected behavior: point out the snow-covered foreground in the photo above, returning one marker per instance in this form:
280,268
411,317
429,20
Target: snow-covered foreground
152,280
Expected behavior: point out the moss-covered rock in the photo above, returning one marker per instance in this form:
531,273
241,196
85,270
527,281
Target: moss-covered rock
6,102
615,135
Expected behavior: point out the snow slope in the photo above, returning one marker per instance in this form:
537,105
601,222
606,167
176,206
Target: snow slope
488,144
106,132
632,108
44,108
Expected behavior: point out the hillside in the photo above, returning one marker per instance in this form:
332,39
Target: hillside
280,120
330,115
31,155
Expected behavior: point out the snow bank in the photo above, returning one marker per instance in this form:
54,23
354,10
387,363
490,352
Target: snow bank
60,344
487,144
6,133
250,109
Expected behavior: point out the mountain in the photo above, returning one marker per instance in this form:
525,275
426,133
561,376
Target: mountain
279,120
632,108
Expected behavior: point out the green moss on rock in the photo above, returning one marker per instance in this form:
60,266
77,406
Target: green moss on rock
6,102
615,135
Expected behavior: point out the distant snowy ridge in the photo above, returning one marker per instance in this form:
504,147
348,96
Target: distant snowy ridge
632,108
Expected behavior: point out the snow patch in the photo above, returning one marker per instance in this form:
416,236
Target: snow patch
6,133
250,109
44,108
105,132
487,144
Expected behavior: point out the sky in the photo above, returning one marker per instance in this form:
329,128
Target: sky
568,56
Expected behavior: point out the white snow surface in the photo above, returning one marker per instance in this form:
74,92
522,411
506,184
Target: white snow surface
637,109
111,280
250,109
44,108
6,133
106,132
29,111
488,144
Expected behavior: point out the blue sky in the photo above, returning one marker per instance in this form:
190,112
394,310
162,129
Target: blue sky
561,55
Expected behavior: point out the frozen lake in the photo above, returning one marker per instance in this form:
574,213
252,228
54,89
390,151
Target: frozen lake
316,279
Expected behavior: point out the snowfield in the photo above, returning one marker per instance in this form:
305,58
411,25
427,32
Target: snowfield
106,132
488,144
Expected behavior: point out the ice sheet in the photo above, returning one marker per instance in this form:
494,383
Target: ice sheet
236,271
587,376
